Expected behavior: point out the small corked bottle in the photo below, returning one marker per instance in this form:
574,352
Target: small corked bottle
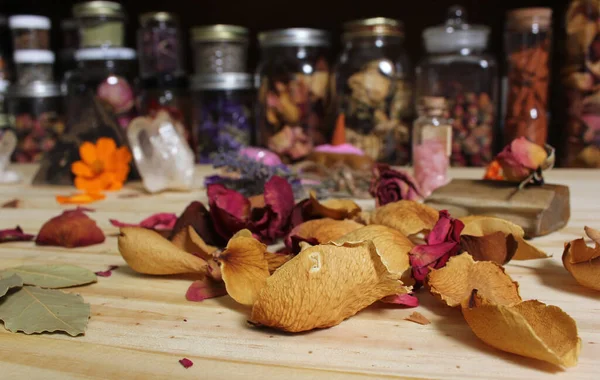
528,40
431,144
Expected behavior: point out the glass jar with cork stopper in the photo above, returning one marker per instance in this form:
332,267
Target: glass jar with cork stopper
431,143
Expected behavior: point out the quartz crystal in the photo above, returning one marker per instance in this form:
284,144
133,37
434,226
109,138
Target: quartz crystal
8,143
163,157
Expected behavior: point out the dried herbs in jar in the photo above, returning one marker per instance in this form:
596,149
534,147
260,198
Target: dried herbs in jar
293,93
372,96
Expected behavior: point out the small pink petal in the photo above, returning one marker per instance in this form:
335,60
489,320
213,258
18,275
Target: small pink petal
160,221
108,272
14,234
186,363
204,289
407,300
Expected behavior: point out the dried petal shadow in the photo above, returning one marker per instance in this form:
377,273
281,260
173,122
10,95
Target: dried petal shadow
408,217
583,263
529,328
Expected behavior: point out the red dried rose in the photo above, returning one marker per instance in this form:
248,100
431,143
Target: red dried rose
390,185
14,234
161,221
521,158
70,229
443,242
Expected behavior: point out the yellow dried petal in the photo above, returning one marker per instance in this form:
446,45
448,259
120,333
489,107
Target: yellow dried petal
583,263
408,217
188,240
530,329
593,234
337,209
276,260
476,225
325,230
497,247
455,282
391,244
146,251
418,318
322,286
244,267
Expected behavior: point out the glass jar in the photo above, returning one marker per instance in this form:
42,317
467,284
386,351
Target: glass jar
159,44
5,49
457,68
34,65
101,24
36,114
170,94
431,144
528,40
372,91
30,32
3,116
106,74
222,112
219,48
293,96
580,79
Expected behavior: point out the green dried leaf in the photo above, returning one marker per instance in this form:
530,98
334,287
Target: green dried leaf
10,281
35,310
52,276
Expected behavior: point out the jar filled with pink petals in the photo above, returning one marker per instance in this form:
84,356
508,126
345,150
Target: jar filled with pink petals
432,144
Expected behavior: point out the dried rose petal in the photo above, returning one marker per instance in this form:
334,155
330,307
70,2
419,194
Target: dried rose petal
108,272
197,216
160,221
301,213
583,263
521,158
230,210
14,234
592,234
390,185
189,241
15,203
337,209
70,229
418,318
271,222
204,289
186,363
497,247
408,217
319,231
408,300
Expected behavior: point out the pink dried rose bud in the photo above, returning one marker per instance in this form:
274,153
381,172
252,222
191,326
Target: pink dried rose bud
521,158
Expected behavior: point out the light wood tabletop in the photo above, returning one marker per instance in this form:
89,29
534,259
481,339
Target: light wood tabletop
141,325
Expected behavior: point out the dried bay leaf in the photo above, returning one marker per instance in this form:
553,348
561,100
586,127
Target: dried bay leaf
324,285
583,263
529,328
52,276
34,310
9,281
408,217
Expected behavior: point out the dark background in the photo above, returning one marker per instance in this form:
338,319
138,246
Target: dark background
262,15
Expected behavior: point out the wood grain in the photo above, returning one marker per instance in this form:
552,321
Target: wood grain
141,325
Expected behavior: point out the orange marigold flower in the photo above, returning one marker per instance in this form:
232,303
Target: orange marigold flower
494,171
102,166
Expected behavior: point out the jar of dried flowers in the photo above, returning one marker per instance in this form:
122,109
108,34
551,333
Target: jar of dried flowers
581,77
101,23
35,112
528,40
431,144
293,94
219,48
458,69
372,91
223,104
159,45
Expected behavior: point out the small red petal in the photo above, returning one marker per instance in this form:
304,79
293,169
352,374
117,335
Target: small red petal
14,234
108,272
407,300
161,221
204,289
186,363
15,203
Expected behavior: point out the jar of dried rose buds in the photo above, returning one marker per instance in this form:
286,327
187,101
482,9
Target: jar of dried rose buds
581,78
34,65
431,144
101,24
219,48
373,91
293,76
223,105
528,40
30,32
35,112
159,45
458,69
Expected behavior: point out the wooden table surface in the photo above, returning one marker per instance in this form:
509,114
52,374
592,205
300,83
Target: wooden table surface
141,326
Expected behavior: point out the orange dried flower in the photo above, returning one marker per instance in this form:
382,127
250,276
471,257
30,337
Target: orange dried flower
79,199
102,166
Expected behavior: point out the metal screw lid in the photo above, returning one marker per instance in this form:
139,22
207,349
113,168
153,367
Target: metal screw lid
37,89
219,32
98,8
222,81
375,26
294,37
147,17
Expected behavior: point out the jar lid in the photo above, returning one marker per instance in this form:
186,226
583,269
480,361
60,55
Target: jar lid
37,89
374,26
28,22
219,32
294,37
69,23
105,53
98,8
157,16
222,81
455,34
34,56
529,18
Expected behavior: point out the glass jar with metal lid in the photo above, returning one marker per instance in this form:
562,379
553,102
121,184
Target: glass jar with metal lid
35,112
30,32
373,90
159,44
101,23
104,77
222,112
34,65
3,116
457,68
293,97
219,48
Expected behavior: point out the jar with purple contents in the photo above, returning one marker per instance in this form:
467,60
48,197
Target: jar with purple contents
108,74
222,112
159,44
